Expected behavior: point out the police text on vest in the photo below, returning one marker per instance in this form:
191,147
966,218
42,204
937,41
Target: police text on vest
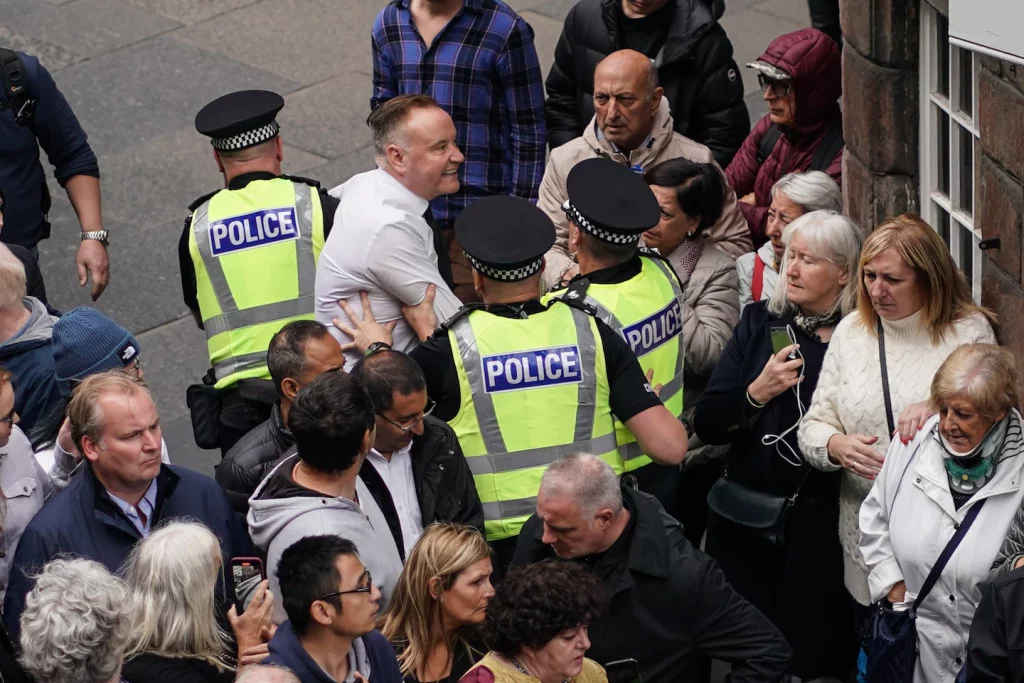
254,229
532,369
650,333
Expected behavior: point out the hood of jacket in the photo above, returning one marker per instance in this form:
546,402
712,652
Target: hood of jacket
38,330
660,137
286,649
690,21
813,61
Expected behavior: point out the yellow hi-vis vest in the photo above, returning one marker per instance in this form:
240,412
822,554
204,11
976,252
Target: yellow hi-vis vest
255,252
646,311
533,389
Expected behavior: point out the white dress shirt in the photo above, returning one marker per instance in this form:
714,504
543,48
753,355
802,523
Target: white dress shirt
397,476
380,244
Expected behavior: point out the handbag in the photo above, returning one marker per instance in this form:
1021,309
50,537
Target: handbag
892,643
764,515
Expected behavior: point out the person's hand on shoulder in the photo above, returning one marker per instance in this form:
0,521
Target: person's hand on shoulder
421,317
366,330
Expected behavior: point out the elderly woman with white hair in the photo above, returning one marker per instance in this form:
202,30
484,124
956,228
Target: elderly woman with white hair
793,195
74,627
773,518
955,485
172,575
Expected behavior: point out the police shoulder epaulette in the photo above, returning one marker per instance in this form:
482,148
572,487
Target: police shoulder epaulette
460,314
576,303
303,180
199,202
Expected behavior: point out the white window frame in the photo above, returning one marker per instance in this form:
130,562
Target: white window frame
937,207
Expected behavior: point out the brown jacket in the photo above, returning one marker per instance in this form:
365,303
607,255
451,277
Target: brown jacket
729,234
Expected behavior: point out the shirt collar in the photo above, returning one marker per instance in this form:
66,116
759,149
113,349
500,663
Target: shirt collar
240,181
397,454
148,502
600,136
413,202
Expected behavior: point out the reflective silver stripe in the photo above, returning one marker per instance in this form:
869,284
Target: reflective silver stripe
214,270
586,390
671,387
510,509
279,310
497,463
246,361
304,246
605,315
483,404
630,450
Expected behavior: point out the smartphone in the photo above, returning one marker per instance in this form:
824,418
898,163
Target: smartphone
780,339
246,575
623,671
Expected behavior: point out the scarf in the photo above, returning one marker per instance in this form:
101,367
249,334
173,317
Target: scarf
808,324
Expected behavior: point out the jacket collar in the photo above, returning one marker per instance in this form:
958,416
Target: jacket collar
240,181
280,433
659,138
107,511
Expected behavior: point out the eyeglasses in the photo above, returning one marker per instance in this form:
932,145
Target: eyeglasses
362,589
8,419
407,428
780,88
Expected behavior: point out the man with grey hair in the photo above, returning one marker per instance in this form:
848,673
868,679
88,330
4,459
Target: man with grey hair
26,329
384,245
266,673
75,625
671,608
632,126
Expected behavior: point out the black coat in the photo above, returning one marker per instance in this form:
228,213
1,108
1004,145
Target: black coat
151,668
444,484
995,651
671,608
251,459
695,67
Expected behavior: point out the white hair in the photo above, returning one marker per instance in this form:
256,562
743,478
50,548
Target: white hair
266,673
828,235
811,191
590,482
74,626
12,278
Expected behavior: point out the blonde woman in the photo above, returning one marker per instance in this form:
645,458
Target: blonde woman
172,576
439,600
911,291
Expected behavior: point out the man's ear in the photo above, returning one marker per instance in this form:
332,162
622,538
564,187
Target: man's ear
368,438
289,388
396,158
90,449
318,611
656,98
220,164
603,518
279,149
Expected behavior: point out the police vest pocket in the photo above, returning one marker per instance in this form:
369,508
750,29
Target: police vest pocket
22,486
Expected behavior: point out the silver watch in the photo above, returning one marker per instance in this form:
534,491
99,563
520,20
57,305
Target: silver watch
100,236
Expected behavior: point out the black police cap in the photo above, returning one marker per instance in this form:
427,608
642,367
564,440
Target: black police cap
240,119
505,238
610,201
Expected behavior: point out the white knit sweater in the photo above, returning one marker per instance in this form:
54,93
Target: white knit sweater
848,400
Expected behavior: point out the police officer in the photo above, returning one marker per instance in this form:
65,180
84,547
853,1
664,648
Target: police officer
637,294
522,383
248,256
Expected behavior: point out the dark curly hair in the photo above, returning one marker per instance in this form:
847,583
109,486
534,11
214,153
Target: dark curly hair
533,604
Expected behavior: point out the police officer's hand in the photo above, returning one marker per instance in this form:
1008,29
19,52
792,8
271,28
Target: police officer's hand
778,374
656,388
421,317
365,330
92,260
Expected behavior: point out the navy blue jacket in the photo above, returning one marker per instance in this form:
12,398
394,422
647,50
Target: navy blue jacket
81,520
287,651
22,180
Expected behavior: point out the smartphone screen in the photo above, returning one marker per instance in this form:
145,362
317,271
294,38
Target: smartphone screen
780,338
623,671
246,575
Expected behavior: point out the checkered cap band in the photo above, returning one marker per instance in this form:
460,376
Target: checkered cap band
513,275
605,236
248,138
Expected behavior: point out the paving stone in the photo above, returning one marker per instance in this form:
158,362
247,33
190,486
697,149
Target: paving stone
545,37
319,119
336,172
556,9
792,10
191,11
53,57
182,448
86,27
169,376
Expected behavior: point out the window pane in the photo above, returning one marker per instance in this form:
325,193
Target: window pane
941,223
966,257
942,44
942,158
966,170
966,77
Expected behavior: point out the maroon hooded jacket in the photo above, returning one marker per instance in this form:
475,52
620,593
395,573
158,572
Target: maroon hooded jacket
813,61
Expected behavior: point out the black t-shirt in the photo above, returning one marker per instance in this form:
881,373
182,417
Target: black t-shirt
630,394
646,35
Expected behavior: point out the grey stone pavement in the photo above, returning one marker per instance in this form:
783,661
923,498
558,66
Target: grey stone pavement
137,71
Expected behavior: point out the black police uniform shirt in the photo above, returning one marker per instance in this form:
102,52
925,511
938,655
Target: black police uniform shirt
189,291
629,392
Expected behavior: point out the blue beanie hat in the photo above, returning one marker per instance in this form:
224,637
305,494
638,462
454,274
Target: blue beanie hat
86,342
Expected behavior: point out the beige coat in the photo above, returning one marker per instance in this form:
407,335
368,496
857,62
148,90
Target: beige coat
730,233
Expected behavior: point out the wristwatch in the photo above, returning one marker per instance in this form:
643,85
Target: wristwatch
377,346
101,236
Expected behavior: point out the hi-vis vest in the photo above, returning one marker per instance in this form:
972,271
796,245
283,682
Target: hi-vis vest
533,389
255,252
646,311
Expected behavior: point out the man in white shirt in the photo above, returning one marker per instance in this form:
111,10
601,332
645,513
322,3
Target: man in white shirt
381,242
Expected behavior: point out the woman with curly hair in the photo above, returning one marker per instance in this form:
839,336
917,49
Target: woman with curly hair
439,602
537,625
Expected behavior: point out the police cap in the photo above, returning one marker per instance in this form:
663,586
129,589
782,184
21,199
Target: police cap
240,119
609,201
505,238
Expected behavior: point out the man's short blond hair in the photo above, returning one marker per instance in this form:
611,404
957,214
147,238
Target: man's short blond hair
84,410
12,278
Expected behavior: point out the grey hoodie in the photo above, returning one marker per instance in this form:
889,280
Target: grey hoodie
281,513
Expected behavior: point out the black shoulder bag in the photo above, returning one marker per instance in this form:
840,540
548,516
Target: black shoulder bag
885,379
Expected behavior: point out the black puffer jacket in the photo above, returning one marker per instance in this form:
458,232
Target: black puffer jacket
249,460
444,484
696,69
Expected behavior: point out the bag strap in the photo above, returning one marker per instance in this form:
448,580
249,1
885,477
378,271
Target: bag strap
885,379
767,143
831,142
757,279
947,552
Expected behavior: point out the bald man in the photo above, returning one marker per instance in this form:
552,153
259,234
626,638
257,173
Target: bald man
633,126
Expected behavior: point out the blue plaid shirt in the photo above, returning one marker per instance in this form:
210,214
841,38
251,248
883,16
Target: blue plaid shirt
483,70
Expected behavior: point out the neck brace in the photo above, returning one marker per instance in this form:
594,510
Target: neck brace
969,471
